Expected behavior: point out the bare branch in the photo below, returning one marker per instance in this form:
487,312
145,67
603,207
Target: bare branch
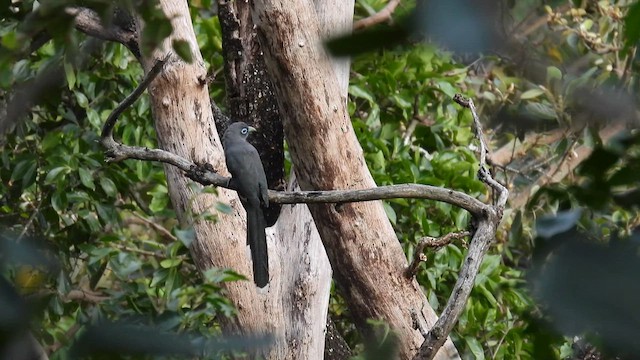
157,227
379,17
89,22
107,130
205,175
84,295
483,237
432,242
483,174
409,191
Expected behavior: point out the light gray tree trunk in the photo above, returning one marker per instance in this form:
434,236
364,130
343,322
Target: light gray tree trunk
367,259
293,307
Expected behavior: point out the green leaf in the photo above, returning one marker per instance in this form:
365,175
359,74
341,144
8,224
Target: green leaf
185,236
169,263
447,88
183,49
541,111
81,99
55,174
108,186
553,73
29,175
158,277
59,201
475,347
159,202
86,178
10,40
391,214
531,94
357,91
70,75
51,141
20,169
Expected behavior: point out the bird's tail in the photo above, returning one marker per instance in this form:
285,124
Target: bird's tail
257,240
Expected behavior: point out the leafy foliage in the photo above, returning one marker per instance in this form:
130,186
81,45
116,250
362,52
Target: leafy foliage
120,253
121,261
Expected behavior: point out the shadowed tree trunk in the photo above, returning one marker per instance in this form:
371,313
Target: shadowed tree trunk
365,254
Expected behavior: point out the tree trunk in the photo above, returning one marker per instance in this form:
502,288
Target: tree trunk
366,257
184,123
305,280
293,307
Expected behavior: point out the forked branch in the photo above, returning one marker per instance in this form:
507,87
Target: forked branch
485,232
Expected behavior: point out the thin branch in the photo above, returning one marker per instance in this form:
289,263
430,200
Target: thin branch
107,130
483,237
483,174
407,191
431,242
566,165
68,336
84,295
379,17
157,227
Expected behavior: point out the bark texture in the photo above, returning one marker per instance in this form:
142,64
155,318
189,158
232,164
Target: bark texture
304,283
250,94
293,307
365,254
185,126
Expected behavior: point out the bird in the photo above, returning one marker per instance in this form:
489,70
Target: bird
249,179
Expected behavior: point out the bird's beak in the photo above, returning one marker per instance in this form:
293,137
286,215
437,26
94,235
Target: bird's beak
252,129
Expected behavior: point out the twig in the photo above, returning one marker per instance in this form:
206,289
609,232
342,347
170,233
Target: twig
107,130
159,228
432,242
566,165
379,17
68,336
483,236
483,174
84,295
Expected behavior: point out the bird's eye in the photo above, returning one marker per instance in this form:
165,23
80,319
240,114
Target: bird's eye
244,131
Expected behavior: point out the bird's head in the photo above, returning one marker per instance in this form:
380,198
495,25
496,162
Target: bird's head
240,129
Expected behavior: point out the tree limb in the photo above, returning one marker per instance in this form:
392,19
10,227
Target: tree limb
204,174
484,235
89,22
432,242
379,17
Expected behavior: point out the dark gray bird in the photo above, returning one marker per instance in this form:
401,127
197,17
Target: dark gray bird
248,177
